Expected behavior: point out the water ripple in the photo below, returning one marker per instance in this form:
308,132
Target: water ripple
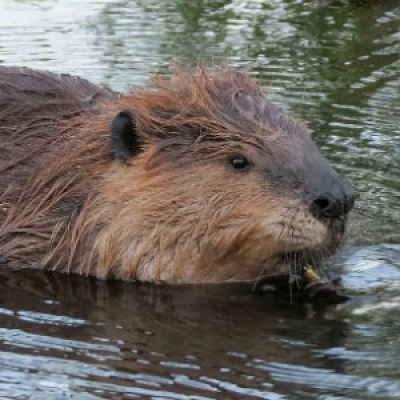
332,380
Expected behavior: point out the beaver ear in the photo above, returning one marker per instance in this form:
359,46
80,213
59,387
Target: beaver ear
125,141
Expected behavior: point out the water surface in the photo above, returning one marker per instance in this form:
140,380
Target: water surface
337,65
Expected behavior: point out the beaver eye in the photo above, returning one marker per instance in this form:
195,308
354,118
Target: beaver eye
239,163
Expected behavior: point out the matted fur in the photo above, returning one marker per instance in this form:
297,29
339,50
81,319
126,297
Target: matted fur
177,211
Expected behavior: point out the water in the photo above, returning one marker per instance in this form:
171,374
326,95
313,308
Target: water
337,65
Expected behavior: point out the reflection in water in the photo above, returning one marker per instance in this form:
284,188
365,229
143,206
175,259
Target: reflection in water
162,339
170,340
337,66
111,338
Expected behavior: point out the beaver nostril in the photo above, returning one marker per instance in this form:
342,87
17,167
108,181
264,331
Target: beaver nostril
321,203
335,202
332,207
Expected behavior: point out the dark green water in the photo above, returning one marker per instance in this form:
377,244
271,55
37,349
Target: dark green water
337,65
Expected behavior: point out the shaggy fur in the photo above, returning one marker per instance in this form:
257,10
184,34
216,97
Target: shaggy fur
177,211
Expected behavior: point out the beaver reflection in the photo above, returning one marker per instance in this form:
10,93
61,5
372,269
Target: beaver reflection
111,327
200,179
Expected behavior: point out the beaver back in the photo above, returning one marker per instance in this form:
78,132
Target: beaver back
38,156
33,104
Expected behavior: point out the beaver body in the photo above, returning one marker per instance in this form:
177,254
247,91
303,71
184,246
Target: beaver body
199,179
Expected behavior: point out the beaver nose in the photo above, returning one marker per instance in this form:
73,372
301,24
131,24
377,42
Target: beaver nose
333,204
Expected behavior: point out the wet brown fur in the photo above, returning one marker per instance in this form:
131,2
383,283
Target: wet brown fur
177,211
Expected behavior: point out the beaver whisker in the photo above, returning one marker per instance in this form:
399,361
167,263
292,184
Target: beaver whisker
260,276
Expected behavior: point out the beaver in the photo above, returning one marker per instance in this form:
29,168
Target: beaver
198,178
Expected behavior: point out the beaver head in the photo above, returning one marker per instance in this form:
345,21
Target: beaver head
212,182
